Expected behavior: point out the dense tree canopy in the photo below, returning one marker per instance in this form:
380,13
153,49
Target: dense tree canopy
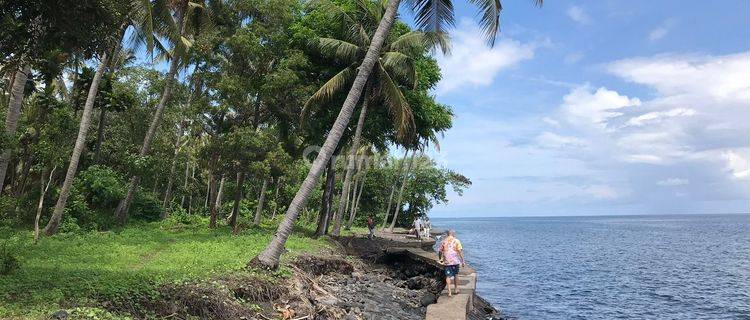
211,109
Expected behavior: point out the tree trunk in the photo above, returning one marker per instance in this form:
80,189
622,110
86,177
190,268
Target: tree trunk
350,162
220,195
100,134
212,196
269,257
185,185
401,192
237,200
54,221
190,197
261,199
355,204
172,169
276,197
327,193
11,116
123,206
393,190
40,206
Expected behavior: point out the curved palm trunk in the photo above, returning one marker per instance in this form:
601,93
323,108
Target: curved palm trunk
325,208
237,201
269,257
401,192
185,184
168,193
393,190
355,203
88,107
100,134
261,199
220,195
124,205
11,117
350,164
276,197
42,193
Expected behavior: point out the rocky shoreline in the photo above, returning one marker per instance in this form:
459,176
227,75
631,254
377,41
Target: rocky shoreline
358,279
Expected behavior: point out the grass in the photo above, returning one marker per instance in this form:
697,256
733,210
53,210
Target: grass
76,269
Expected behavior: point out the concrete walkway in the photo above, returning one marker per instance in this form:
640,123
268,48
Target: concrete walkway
456,307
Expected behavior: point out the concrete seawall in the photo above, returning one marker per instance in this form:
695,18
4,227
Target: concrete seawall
456,307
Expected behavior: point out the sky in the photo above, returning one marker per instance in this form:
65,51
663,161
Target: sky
600,107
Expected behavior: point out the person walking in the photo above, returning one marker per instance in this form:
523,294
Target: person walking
417,227
370,227
451,255
426,226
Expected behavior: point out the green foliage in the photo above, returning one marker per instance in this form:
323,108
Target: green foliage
8,259
88,268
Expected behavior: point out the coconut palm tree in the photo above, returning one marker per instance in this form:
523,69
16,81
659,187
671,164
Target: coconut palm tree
140,15
11,117
394,68
190,18
432,15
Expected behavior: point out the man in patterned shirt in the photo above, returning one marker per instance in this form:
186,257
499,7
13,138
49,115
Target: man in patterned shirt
451,255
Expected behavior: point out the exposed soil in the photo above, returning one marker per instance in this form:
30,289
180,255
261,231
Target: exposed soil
366,284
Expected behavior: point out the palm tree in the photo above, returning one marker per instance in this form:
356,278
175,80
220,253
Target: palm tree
397,209
189,15
433,15
395,66
140,15
393,189
11,117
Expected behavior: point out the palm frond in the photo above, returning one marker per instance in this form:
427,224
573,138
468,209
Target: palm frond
403,119
489,10
338,83
433,15
402,66
142,19
198,19
163,23
339,49
333,9
419,41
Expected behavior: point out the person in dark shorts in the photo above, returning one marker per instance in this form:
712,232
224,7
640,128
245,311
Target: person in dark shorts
370,227
452,256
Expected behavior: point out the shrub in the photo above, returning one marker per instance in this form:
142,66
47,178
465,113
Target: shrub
8,260
146,206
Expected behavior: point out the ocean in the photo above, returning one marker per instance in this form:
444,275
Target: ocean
611,267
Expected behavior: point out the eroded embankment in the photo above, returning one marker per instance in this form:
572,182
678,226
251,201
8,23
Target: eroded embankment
359,281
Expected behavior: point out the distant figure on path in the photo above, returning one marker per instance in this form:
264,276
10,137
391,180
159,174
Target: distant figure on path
370,227
452,255
417,227
426,225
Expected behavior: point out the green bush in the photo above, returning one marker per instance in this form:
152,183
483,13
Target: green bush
146,206
8,260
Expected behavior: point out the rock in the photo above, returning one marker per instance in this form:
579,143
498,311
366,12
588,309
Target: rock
427,298
60,315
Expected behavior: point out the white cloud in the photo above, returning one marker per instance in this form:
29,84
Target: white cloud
473,63
737,165
715,77
551,121
673,182
579,15
661,31
585,107
657,116
658,33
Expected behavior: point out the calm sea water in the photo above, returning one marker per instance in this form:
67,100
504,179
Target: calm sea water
617,267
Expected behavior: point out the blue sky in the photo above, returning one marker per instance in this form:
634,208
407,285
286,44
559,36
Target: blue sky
600,107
